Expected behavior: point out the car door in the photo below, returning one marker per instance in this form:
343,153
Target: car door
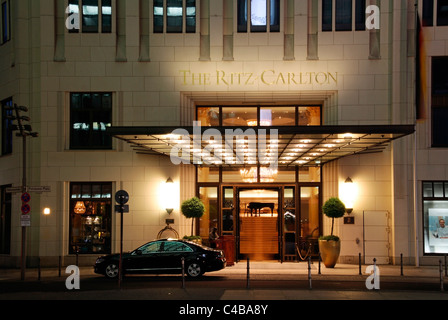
145,259
171,255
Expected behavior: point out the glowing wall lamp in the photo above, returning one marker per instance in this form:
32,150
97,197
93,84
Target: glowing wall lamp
169,192
47,211
349,193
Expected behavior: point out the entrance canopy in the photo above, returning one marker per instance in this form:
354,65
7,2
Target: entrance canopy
287,146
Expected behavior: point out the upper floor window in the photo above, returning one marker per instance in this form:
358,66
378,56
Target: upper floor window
90,115
258,15
95,15
5,21
174,16
250,116
6,126
439,102
441,7
343,13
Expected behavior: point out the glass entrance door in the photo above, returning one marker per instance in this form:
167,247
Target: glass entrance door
310,221
258,223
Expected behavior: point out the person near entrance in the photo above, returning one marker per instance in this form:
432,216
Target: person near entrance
213,237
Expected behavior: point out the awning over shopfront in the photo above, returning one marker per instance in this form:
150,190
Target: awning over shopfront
236,146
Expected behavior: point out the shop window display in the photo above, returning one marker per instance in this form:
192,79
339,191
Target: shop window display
90,218
435,214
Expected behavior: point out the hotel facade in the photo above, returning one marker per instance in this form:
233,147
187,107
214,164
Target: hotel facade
264,109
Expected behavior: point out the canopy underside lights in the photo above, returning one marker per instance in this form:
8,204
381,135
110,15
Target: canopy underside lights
289,146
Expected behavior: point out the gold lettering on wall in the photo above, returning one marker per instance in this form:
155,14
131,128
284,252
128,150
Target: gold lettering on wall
266,78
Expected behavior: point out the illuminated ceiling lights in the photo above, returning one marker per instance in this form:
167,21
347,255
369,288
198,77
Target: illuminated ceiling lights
251,175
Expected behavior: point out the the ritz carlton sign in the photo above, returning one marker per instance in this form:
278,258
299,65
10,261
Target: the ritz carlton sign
266,78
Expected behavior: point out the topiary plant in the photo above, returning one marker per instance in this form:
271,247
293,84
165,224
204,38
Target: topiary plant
192,208
333,208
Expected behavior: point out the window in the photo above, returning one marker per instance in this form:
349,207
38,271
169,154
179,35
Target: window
250,116
428,7
174,16
344,14
152,247
6,126
360,15
5,220
442,12
428,13
171,246
90,217
90,115
262,13
94,14
435,215
6,22
439,102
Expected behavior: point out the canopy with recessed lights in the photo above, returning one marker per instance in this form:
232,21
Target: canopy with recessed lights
241,146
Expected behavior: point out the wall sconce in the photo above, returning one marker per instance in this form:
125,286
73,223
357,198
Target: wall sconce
169,192
47,211
348,194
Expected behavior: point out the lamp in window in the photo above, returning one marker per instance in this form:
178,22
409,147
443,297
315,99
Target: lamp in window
348,194
80,207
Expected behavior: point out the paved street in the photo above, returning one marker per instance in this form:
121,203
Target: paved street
280,288
267,281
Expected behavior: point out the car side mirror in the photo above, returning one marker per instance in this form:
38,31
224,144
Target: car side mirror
138,252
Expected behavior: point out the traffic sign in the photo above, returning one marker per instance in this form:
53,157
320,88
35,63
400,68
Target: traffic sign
26,208
14,190
39,189
25,220
26,197
122,207
122,197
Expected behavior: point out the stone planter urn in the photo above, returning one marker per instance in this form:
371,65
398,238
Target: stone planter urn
329,252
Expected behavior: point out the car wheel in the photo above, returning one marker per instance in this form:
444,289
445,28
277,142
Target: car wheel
111,270
194,270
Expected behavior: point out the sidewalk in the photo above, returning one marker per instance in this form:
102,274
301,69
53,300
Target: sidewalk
257,271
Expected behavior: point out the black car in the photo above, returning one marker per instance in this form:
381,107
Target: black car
163,257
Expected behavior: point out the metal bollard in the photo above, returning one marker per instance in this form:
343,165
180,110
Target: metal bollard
446,271
59,265
183,272
441,275
248,274
320,259
38,269
359,264
374,268
309,272
401,263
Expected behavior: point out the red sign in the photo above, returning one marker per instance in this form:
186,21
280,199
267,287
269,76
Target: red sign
26,197
26,208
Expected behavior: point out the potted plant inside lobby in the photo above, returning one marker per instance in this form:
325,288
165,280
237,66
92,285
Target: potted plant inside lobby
330,245
193,208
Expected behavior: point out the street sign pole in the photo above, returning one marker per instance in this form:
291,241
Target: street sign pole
25,131
122,197
23,251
